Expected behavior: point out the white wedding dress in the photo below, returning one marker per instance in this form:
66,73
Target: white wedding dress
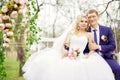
48,65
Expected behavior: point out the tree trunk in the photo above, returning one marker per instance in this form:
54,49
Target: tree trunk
20,50
20,56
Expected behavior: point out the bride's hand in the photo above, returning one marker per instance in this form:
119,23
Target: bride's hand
65,54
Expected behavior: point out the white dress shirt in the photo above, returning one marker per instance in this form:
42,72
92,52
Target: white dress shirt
98,36
97,33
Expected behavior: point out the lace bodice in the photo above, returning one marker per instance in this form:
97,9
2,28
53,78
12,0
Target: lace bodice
78,42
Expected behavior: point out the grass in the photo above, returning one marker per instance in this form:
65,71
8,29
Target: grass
12,68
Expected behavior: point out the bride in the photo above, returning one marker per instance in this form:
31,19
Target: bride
69,62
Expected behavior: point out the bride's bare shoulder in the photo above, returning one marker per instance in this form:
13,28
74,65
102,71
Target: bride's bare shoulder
70,34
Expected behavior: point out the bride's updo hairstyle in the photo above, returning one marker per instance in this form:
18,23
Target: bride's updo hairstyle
76,27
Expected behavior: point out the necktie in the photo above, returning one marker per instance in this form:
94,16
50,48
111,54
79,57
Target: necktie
95,38
95,35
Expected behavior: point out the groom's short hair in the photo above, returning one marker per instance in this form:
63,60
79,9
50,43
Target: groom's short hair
92,11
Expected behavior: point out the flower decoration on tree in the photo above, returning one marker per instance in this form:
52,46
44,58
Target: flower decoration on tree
74,53
8,13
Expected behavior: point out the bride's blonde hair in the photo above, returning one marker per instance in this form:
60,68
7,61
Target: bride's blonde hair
76,24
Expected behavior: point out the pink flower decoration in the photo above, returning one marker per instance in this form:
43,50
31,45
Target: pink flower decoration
14,14
4,9
20,11
5,31
4,35
15,6
26,1
23,1
7,40
9,33
0,20
8,25
2,26
1,16
17,1
5,17
5,45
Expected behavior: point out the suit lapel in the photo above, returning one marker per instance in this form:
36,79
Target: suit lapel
100,33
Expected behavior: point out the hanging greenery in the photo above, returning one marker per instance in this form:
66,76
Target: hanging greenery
8,13
19,17
2,68
33,32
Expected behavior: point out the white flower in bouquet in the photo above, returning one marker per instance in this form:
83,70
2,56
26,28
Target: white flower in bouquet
15,6
14,14
74,53
9,33
2,26
8,25
0,20
4,9
5,17
5,45
6,40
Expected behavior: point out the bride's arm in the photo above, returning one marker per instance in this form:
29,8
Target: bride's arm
66,45
90,43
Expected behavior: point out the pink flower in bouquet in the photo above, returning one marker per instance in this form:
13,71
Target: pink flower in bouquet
4,9
74,53
14,14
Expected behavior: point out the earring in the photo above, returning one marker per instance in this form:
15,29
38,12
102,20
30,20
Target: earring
78,28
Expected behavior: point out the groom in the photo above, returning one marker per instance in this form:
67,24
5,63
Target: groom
105,42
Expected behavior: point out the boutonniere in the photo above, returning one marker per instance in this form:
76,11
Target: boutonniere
104,37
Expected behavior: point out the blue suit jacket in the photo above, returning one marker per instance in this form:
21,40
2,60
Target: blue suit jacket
106,46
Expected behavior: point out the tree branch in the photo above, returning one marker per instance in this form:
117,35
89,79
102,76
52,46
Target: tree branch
106,7
38,8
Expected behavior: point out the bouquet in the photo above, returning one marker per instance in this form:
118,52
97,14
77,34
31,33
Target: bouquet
74,53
